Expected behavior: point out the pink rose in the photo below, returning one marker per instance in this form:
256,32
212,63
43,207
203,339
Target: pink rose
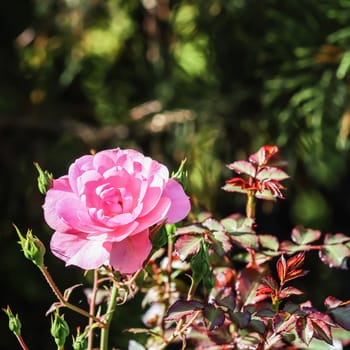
103,209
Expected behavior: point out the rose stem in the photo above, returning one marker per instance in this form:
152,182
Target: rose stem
109,315
92,310
22,343
60,297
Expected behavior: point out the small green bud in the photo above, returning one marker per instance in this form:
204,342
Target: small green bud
80,341
181,174
32,247
14,322
59,329
45,179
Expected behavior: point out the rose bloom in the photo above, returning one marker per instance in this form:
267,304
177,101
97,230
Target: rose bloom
103,209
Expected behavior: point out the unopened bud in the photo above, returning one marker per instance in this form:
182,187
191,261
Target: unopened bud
32,247
14,322
80,341
45,179
59,329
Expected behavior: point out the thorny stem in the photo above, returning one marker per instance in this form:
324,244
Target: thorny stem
250,207
92,310
180,330
250,212
109,315
61,298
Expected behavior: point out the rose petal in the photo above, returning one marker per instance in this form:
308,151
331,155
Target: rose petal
76,250
129,255
180,203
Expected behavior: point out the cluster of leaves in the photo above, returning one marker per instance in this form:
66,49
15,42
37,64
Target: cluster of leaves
236,298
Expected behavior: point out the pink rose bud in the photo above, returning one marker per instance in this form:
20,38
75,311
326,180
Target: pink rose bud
103,209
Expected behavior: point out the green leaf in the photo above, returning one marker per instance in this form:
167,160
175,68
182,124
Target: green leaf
200,264
337,238
341,315
241,319
214,317
301,235
243,167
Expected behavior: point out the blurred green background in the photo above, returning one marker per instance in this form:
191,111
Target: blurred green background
209,80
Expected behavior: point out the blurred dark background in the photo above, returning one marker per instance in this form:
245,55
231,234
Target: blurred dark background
209,80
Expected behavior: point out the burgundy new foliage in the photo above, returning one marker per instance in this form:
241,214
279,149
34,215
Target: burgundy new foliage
227,287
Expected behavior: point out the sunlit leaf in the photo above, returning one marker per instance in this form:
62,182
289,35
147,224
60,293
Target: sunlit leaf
213,225
187,245
213,316
190,229
337,238
233,188
243,167
269,242
272,173
301,235
265,194
245,240
238,223
335,255
182,308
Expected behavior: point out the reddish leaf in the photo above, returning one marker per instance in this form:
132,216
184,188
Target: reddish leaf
248,281
301,235
288,291
295,261
283,322
214,317
304,329
243,167
187,245
271,173
270,282
263,155
221,242
332,302
281,268
322,331
182,308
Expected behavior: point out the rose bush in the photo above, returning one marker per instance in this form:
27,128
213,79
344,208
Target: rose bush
102,210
